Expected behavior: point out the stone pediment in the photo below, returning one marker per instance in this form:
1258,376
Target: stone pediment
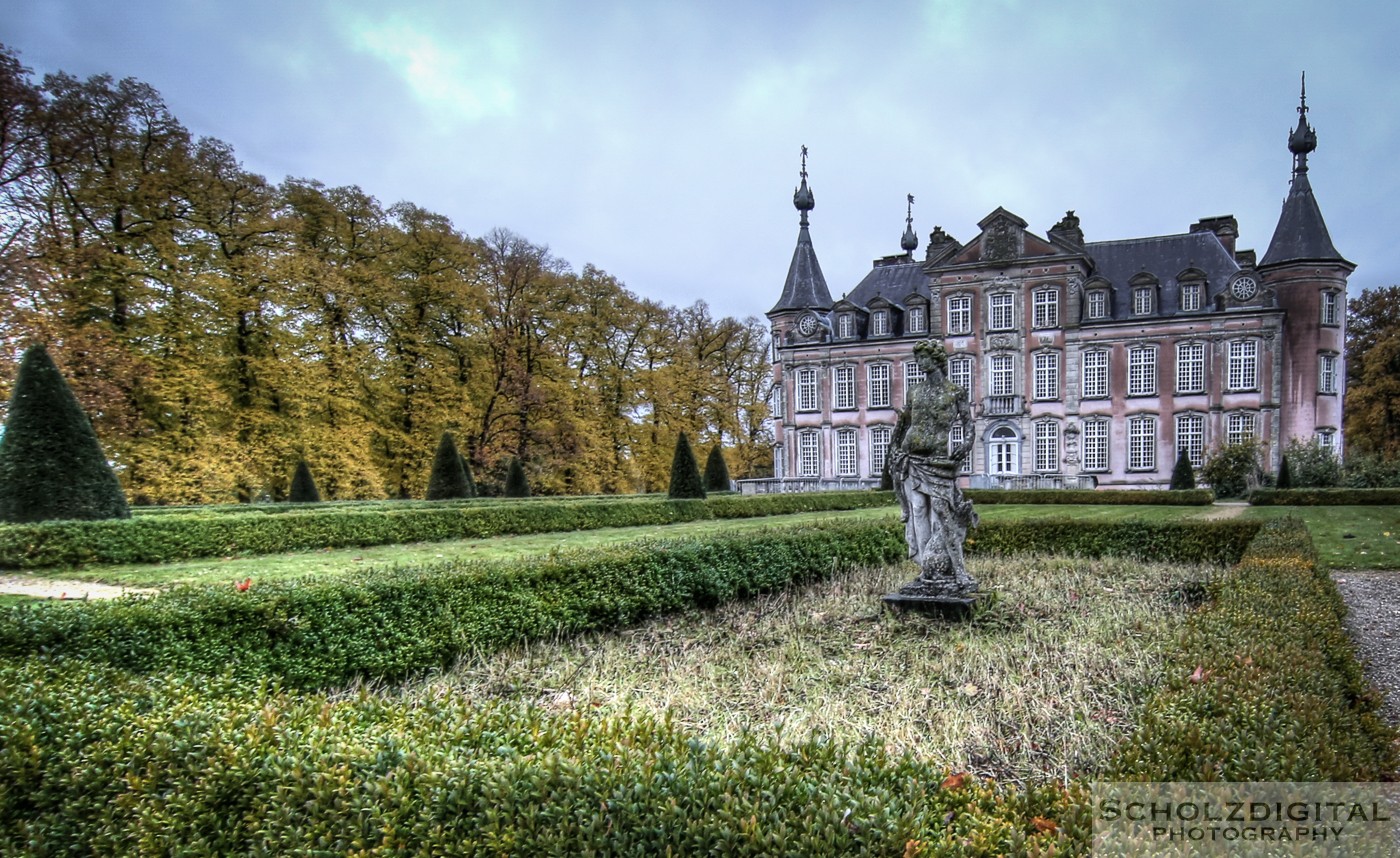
1004,238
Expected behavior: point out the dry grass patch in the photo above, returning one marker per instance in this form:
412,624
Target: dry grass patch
1039,686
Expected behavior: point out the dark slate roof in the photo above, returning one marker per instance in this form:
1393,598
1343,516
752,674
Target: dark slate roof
1301,234
805,287
1164,257
891,281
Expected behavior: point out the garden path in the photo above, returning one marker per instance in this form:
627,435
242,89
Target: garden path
1373,619
55,588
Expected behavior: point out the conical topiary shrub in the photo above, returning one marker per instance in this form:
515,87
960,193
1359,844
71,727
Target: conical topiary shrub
1285,477
685,474
716,471
447,481
516,484
1183,475
51,465
471,479
303,485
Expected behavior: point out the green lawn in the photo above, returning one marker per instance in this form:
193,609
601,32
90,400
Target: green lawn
1347,537
334,561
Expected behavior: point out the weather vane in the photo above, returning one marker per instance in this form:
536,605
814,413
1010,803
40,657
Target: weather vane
804,162
909,214
1303,98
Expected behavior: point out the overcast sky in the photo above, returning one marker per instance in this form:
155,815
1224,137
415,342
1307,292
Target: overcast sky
659,140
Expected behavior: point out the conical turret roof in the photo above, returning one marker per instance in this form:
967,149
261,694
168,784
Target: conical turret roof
1301,234
805,288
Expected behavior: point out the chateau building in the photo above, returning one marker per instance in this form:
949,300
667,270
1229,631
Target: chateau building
1088,363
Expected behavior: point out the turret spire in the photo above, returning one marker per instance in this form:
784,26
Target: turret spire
802,197
1303,139
909,241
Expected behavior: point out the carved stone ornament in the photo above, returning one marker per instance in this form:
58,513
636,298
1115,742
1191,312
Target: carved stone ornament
1002,341
1000,242
1074,284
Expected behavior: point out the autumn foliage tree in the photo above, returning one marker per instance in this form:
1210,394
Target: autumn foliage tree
1373,373
218,326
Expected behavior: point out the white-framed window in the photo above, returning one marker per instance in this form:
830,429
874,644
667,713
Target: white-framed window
878,385
809,454
1191,437
843,388
1002,375
1326,373
845,452
1004,451
1331,308
960,369
957,435
807,395
879,448
1142,371
1327,440
1142,443
1045,308
913,375
845,326
1095,440
1097,303
1190,367
1243,365
1046,382
1095,375
960,314
776,402
1047,446
1241,426
1003,307
880,323
1144,300
916,320
1192,293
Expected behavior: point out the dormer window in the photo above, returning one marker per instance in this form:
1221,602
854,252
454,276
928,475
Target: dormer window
1192,296
916,320
845,326
1098,304
880,323
1144,300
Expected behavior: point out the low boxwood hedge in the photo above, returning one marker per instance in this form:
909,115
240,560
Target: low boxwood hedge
1324,497
1266,685
388,623
1109,497
98,761
165,538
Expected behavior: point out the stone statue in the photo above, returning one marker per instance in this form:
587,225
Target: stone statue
924,468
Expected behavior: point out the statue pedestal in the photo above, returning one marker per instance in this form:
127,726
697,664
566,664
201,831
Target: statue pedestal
927,597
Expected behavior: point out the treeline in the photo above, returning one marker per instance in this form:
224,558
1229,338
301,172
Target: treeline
219,328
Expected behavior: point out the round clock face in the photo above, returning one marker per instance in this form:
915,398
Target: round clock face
807,325
1244,288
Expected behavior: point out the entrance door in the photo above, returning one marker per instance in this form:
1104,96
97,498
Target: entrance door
1004,452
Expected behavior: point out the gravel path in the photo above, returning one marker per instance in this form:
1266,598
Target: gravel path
1373,619
52,588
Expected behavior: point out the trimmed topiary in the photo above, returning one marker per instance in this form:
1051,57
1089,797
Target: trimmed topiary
1285,479
1183,475
716,471
448,481
51,464
685,473
516,484
471,479
304,486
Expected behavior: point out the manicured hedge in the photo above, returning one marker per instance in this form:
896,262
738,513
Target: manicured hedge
1279,696
96,762
318,632
1324,497
165,538
1110,497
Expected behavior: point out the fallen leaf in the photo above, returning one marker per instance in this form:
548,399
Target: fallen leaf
1198,675
1043,824
970,690
954,781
